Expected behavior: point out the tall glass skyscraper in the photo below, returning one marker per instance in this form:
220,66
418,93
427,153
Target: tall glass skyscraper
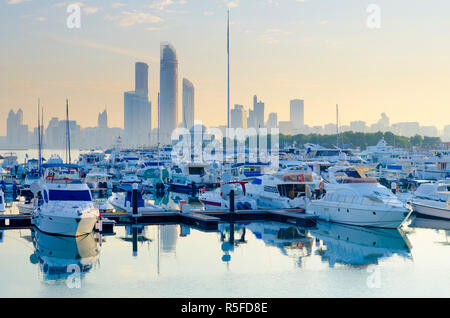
168,82
137,110
188,104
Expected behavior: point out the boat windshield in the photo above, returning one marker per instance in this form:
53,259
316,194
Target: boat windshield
292,190
197,170
69,195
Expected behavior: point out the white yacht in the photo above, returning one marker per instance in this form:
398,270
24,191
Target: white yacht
67,207
358,200
433,199
290,188
191,176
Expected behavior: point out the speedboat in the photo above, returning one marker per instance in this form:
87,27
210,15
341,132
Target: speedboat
67,207
219,199
123,202
433,199
99,180
290,188
359,201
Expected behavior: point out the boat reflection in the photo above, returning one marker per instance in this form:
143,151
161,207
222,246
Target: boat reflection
59,257
291,240
359,246
430,223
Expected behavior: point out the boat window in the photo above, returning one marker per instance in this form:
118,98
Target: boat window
270,189
292,190
196,170
69,195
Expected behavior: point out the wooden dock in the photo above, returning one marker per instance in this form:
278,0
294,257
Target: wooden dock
207,220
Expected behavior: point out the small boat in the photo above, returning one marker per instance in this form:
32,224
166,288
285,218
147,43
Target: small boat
191,177
433,199
2,201
219,199
123,202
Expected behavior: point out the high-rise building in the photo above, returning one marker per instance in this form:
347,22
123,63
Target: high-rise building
16,132
188,104
297,113
102,121
357,126
168,92
141,79
137,110
258,112
272,121
238,117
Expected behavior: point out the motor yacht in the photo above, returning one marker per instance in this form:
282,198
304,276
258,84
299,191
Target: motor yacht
66,207
358,200
433,199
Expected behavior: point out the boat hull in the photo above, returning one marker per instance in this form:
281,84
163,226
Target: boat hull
428,210
370,217
64,225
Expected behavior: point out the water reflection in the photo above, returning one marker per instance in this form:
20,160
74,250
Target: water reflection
291,240
59,257
359,246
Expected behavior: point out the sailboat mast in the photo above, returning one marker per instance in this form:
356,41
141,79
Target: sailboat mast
39,136
337,125
228,68
68,130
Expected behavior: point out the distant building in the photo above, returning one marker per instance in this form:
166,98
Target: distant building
168,92
16,132
137,110
297,113
188,104
272,121
257,115
238,117
407,129
286,127
358,126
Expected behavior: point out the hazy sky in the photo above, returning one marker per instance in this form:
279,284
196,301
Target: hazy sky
321,51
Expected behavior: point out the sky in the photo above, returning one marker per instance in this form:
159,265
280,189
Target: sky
323,51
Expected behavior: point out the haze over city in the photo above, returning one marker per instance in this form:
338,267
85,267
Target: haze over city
321,51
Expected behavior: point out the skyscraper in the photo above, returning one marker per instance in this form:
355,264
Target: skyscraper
168,92
141,79
238,117
188,104
137,110
258,112
297,113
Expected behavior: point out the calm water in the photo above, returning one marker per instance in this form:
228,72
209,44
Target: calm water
259,259
264,259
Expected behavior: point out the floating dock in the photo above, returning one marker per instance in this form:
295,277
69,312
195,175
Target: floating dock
207,220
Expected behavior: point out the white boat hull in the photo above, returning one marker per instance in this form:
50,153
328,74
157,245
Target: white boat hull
372,217
429,210
64,225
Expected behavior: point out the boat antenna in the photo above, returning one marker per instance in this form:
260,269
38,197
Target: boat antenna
337,125
159,122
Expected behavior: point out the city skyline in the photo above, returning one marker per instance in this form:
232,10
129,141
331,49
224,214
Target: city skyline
300,55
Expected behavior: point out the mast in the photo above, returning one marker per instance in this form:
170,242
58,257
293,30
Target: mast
337,125
39,137
158,128
68,130
228,68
